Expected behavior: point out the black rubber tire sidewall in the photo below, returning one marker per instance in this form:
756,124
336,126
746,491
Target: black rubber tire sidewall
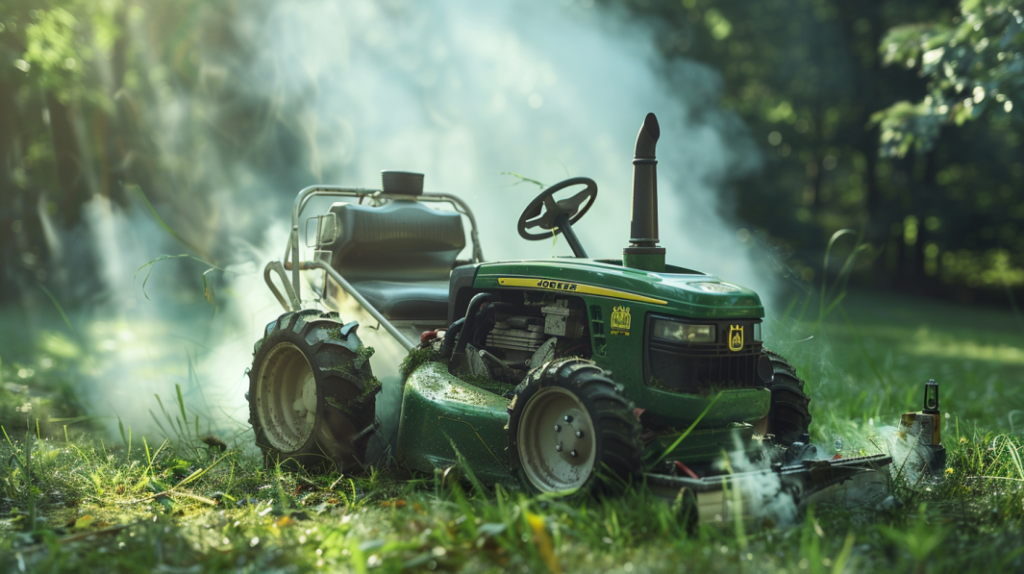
617,429
330,444
789,416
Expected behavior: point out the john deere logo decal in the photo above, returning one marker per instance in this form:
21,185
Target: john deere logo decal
557,285
620,320
579,288
735,337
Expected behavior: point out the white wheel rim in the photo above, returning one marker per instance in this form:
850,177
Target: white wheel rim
286,398
556,441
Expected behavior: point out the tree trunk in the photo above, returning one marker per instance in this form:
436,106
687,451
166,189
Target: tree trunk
8,129
67,163
926,191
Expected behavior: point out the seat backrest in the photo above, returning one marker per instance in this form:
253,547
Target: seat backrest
400,241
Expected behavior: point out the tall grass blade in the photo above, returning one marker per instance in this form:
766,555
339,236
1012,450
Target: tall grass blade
181,403
522,179
839,564
120,427
171,421
200,472
1013,304
208,286
867,356
28,483
193,376
160,448
835,303
1015,458
465,466
685,434
737,510
167,228
784,318
841,279
60,309
157,421
824,267
150,265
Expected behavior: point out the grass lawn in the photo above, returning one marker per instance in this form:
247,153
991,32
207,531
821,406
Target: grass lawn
133,503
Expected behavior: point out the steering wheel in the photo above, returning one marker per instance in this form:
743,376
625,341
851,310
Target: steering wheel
545,212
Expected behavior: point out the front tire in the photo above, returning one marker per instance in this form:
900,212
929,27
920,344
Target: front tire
311,392
789,417
570,427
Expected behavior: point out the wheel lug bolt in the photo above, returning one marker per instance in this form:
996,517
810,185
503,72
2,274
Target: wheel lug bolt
558,448
579,434
572,453
558,428
567,418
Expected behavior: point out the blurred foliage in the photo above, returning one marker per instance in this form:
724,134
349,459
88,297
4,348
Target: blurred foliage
41,396
121,105
117,103
811,80
973,64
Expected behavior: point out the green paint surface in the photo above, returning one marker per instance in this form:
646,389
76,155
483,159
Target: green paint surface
646,261
687,294
439,409
701,445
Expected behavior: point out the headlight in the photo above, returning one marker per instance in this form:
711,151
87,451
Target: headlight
683,332
757,332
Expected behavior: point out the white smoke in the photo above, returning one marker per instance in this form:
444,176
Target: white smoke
763,496
463,91
910,460
760,491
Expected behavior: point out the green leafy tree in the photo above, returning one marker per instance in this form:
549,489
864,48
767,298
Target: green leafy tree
973,65
88,89
808,77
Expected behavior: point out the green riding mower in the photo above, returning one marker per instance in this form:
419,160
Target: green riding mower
564,375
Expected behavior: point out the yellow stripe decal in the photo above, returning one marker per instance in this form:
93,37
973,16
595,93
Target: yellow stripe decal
551,285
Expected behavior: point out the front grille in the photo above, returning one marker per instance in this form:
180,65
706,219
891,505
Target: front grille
706,367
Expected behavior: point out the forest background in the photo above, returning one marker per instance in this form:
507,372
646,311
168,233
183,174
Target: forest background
894,119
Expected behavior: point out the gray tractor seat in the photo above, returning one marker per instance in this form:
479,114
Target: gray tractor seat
404,301
399,256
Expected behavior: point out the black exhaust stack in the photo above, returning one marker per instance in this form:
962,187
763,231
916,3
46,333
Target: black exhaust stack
643,251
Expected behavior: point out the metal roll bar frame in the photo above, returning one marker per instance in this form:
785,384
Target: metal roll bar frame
291,255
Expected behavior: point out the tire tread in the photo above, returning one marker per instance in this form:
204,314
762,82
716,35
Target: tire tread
789,416
618,430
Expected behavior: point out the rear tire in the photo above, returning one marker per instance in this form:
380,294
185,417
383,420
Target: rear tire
571,429
789,417
311,393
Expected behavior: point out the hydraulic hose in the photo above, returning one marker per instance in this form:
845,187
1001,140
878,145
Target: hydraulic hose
450,338
467,327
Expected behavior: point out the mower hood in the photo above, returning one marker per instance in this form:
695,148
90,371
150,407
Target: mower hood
676,291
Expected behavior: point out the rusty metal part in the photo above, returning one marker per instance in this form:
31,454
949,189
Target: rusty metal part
303,266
